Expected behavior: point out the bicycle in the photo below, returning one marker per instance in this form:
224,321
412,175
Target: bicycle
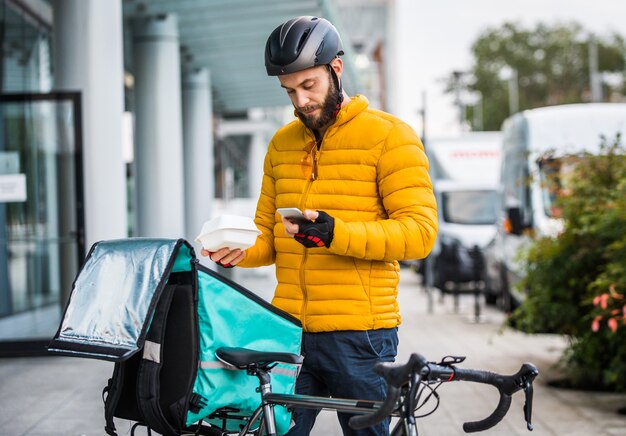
407,383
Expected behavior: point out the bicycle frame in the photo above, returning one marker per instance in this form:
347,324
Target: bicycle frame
405,383
406,426
264,413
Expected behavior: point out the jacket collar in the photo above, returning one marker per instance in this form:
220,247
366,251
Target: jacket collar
355,106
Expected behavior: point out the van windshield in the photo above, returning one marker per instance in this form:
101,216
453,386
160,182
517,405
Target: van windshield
469,207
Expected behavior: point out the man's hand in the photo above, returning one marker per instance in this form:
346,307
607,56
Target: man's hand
316,232
225,257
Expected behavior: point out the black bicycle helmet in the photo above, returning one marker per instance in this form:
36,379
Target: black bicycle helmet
301,43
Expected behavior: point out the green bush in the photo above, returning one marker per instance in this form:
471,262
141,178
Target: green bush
576,281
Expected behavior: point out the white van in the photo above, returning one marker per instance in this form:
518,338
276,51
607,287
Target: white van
467,223
465,174
469,157
535,142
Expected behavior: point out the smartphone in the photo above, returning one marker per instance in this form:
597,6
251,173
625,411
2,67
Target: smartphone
291,213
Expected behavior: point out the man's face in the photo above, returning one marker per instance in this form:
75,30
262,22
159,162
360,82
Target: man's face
313,94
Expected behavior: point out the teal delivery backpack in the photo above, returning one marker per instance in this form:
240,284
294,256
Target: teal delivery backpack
149,306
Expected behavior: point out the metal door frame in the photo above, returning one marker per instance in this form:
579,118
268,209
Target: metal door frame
33,347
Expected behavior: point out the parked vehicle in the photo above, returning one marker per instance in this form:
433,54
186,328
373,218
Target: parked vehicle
465,174
470,157
536,144
467,223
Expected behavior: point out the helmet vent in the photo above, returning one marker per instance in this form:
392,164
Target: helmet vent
305,34
319,51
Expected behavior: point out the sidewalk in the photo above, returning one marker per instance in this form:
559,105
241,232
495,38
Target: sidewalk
62,396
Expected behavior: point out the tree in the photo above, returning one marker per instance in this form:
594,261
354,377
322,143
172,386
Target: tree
576,282
551,64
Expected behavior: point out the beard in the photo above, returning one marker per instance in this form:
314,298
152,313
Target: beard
328,110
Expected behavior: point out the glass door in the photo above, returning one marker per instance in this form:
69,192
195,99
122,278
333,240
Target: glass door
41,215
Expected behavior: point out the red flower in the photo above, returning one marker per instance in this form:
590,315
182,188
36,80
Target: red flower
595,325
612,323
604,298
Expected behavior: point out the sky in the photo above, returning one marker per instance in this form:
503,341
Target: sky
434,38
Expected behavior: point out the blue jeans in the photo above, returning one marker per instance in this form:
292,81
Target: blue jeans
339,364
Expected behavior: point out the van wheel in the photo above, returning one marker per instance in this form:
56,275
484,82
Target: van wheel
438,281
508,302
491,298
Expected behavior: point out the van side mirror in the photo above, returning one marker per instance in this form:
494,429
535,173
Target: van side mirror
513,221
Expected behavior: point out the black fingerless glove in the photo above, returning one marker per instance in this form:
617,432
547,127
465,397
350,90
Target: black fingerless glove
318,233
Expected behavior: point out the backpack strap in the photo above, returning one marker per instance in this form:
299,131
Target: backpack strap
112,390
148,380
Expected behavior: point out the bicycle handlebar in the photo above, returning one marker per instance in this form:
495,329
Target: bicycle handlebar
398,375
507,385
359,422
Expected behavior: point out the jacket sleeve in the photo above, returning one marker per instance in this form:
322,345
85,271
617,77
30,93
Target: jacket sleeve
263,252
407,195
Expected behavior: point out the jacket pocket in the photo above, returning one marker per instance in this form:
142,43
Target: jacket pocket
363,271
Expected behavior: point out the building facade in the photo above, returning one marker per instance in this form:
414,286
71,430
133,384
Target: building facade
134,118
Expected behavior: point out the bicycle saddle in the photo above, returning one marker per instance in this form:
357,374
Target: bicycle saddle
243,357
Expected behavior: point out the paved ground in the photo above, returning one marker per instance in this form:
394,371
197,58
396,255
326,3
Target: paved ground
61,396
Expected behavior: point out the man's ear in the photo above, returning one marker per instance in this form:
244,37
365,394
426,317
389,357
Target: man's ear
337,65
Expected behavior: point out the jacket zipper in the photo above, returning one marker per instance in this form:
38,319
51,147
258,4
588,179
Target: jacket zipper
304,294
304,258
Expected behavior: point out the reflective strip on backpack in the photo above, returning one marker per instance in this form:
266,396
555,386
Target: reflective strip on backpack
152,351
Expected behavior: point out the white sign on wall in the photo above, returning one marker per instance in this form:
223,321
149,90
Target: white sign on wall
12,188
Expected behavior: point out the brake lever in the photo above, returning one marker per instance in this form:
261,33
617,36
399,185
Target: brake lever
528,404
527,385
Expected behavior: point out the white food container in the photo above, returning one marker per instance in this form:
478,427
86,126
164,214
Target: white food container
229,231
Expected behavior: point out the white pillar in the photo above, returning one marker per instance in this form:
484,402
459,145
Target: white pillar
158,132
88,57
258,149
198,151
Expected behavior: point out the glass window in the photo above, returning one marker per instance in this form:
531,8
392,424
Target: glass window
231,167
26,52
41,229
40,202
555,175
469,207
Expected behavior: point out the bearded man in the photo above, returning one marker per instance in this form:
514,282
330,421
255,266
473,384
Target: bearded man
361,177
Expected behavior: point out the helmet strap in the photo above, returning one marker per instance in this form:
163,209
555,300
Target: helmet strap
337,81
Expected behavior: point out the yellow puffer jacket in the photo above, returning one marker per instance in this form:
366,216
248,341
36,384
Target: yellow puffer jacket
372,177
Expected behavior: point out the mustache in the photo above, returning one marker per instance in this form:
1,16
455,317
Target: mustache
309,108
